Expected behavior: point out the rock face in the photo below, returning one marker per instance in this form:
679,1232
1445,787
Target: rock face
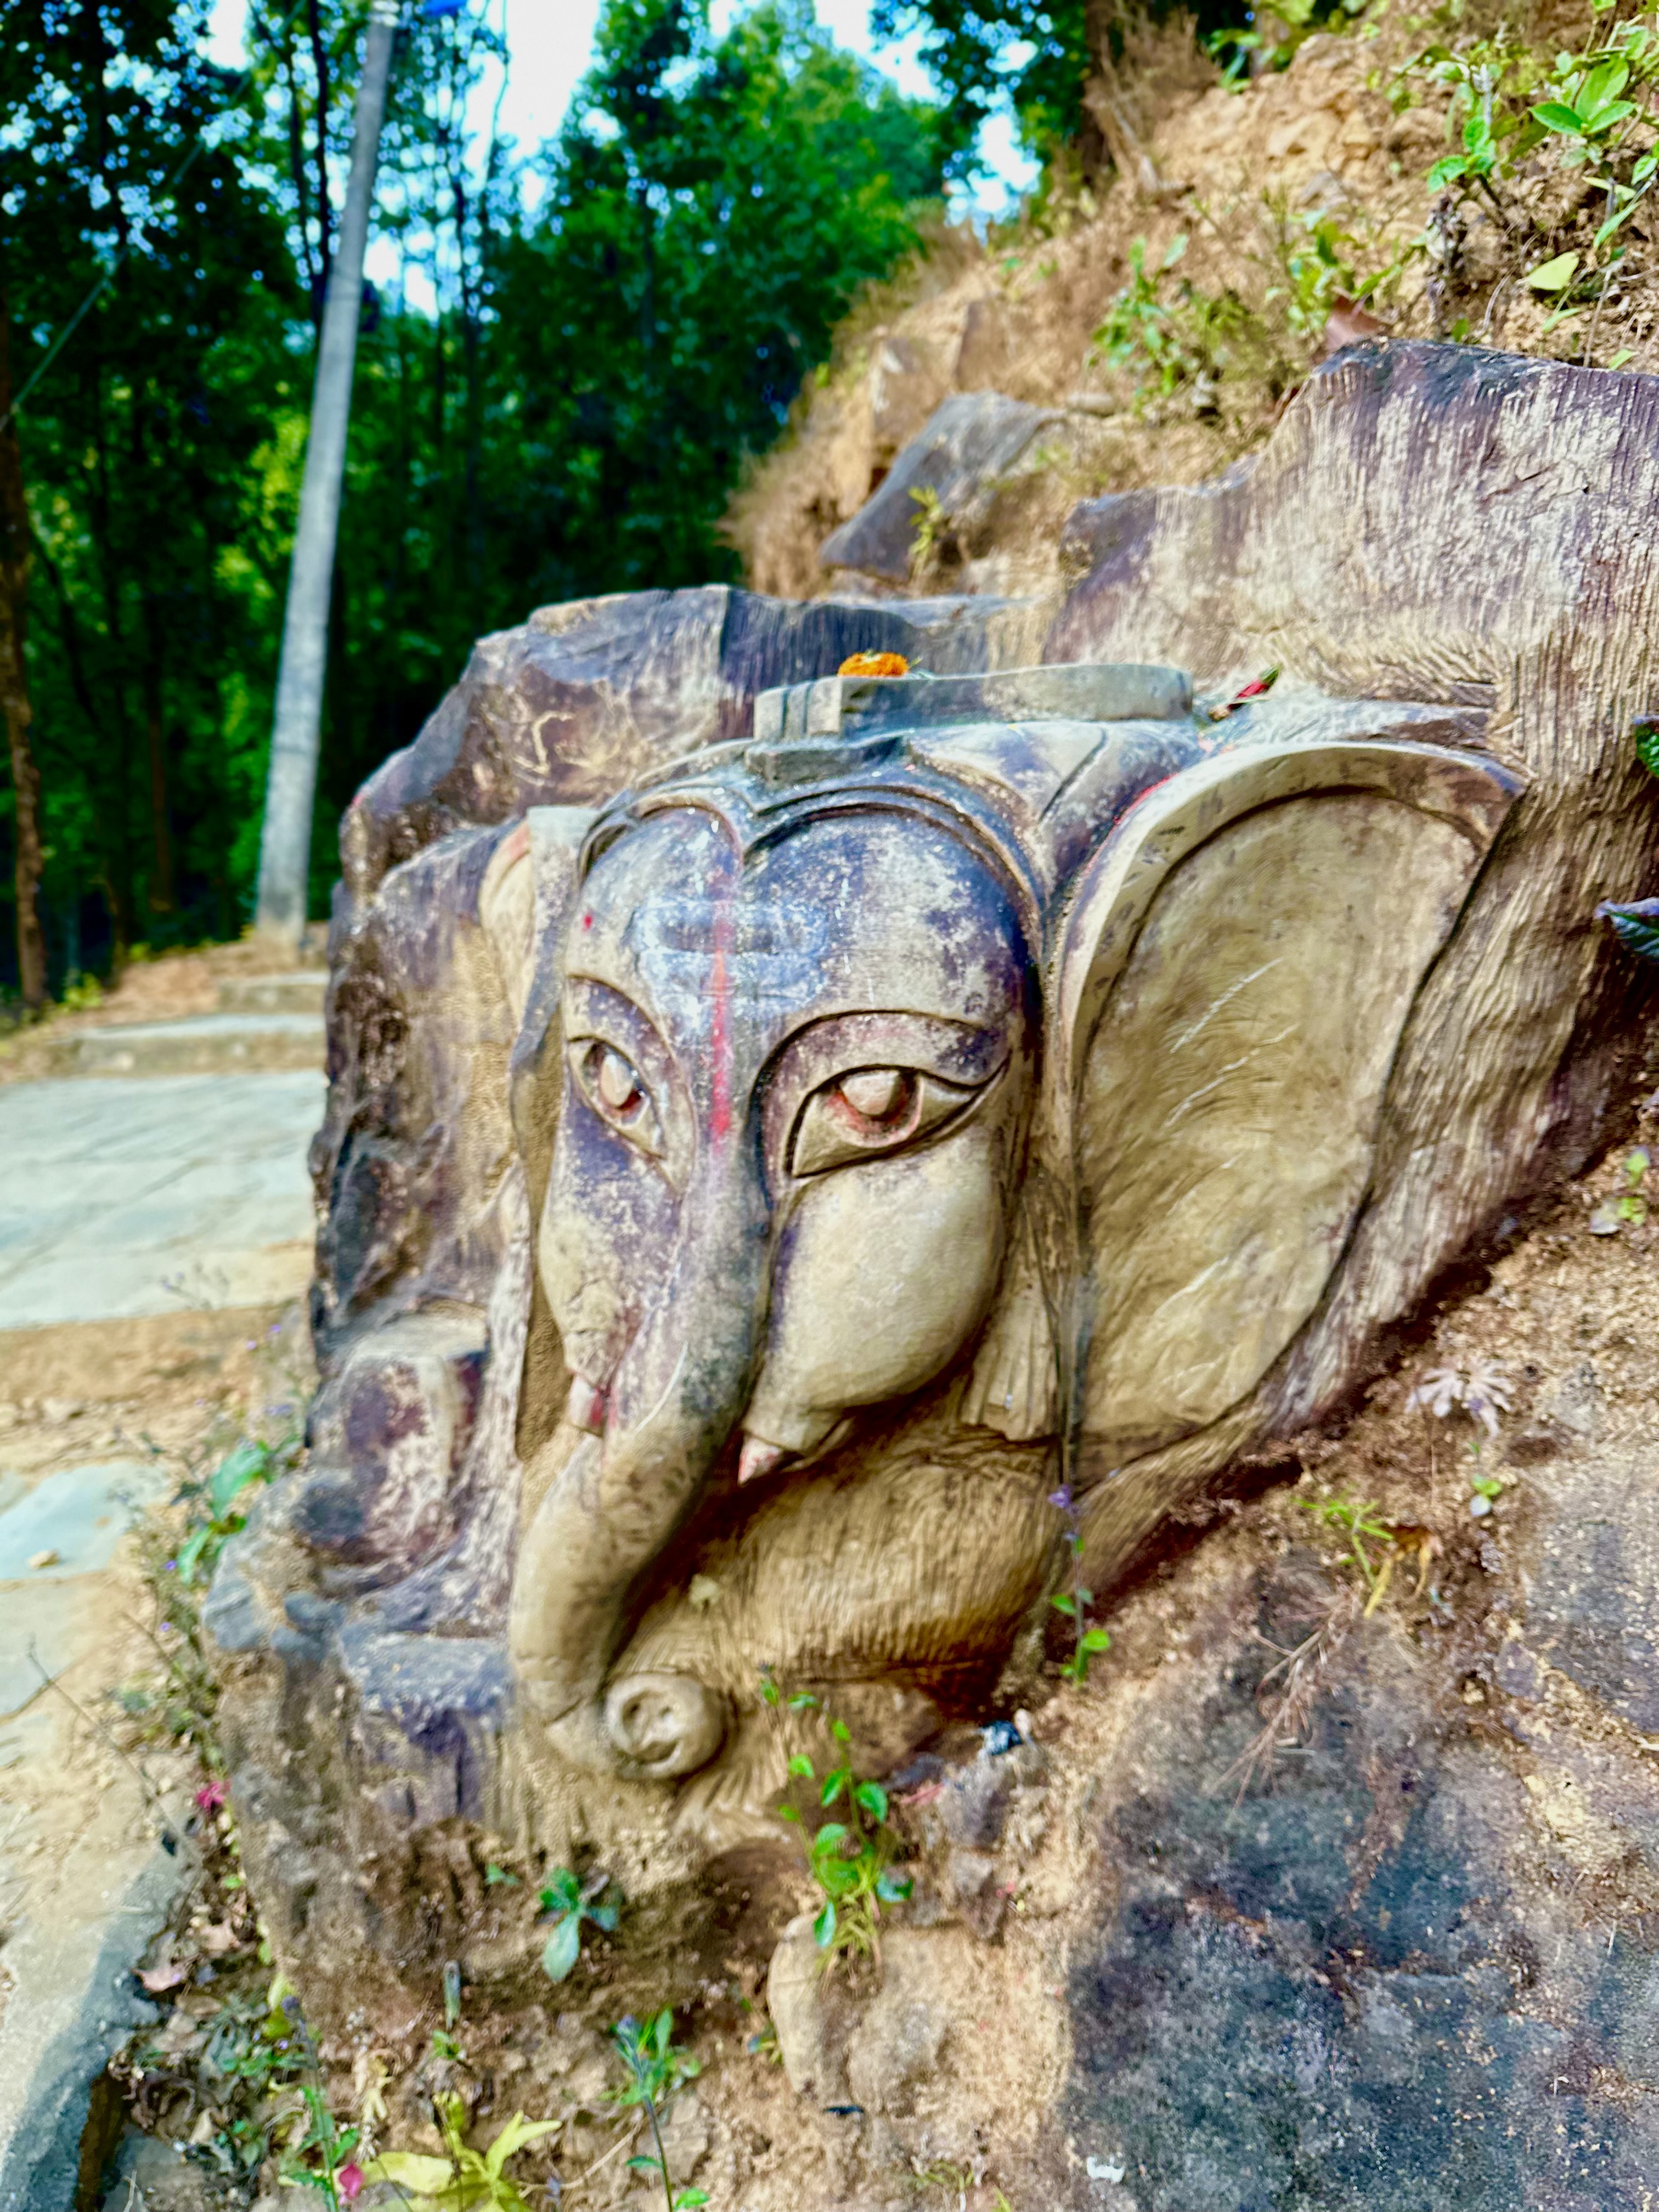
1359,1981
766,1207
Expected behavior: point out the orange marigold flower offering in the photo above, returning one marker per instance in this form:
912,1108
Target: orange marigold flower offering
874,664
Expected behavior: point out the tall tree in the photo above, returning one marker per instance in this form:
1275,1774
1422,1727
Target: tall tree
15,565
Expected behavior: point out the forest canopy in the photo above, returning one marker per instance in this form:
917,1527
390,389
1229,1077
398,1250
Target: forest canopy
556,395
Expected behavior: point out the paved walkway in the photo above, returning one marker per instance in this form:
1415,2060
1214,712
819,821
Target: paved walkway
122,1197
143,1195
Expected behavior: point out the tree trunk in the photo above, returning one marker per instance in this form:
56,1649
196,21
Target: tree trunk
14,685
161,881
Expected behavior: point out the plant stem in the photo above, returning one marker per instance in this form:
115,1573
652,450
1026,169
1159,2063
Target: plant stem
656,2137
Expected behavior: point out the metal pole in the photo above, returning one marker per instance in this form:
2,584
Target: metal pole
291,784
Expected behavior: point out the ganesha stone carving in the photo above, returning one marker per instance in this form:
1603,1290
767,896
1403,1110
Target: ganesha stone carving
933,1088
783,1126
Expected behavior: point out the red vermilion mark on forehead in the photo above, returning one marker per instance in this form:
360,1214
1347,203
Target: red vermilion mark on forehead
720,1026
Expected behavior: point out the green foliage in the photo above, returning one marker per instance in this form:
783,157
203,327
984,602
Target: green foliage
851,1860
262,2066
217,1507
547,403
572,1902
1167,335
1511,104
1087,1643
1359,1524
931,523
466,2179
656,2066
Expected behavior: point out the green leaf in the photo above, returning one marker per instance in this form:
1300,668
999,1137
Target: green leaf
1555,116
824,1928
1636,925
249,1462
768,1690
1644,732
873,1798
1552,275
1603,85
1066,1605
496,1877
1449,170
1177,246
564,1892
686,2200
803,1702
787,1813
562,1948
190,1554
892,1888
513,2136
604,1917
802,1766
829,1837
841,1732
833,1785
1097,1639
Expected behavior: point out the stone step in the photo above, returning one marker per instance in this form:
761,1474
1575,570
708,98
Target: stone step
202,1044
299,992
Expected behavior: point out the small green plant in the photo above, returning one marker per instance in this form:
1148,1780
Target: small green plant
85,993
1314,267
851,1860
573,1902
1360,1526
1627,1208
219,1509
1510,103
656,2065
929,526
1087,1643
1167,342
465,2179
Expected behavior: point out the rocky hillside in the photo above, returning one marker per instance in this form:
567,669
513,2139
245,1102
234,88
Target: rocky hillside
1153,332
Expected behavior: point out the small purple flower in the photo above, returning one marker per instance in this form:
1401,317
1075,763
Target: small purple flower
1061,1497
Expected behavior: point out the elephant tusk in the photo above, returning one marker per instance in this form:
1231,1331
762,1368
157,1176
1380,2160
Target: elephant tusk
585,1408
759,1458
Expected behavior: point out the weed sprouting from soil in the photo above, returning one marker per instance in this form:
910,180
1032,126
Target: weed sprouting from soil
850,1861
657,2066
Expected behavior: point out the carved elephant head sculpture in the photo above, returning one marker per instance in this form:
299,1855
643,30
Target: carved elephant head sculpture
1004,1055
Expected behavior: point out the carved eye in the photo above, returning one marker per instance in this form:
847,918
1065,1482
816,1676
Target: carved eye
616,1090
871,1109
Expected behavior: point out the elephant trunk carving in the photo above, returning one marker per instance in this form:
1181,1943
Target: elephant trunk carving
616,1500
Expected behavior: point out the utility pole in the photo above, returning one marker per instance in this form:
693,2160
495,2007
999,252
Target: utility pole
291,784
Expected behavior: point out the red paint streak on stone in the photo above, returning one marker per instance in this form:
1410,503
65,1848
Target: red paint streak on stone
587,921
720,1028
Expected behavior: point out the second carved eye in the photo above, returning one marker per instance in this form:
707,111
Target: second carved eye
871,1109
617,1090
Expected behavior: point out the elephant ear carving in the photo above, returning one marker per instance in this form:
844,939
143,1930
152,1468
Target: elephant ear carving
1229,987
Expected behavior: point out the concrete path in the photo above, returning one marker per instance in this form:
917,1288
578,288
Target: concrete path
134,1208
146,1195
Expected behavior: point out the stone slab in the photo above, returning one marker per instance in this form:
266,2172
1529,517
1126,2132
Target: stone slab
204,1044
74,1999
80,1513
49,1616
120,1198
300,992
